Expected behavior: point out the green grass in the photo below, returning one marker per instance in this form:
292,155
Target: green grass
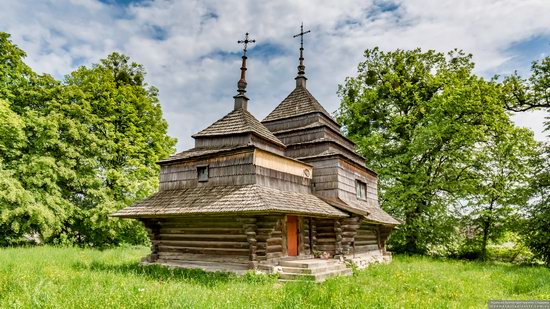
50,277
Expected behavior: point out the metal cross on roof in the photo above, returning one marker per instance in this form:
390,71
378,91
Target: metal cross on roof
245,42
300,79
301,35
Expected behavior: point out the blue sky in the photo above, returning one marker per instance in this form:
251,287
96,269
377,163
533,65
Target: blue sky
190,52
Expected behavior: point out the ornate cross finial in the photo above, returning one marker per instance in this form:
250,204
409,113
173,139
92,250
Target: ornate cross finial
300,79
245,42
241,99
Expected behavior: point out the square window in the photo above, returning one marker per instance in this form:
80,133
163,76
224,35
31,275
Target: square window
202,173
361,190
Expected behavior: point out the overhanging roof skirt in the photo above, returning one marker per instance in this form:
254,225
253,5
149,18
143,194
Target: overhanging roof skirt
246,199
371,213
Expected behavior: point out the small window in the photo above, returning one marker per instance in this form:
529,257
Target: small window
202,173
361,190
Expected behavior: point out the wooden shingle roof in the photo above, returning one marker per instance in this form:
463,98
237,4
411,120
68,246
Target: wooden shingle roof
236,122
371,213
199,152
245,199
299,102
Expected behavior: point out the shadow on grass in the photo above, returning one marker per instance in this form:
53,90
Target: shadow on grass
162,273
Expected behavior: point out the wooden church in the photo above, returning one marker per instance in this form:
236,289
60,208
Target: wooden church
288,194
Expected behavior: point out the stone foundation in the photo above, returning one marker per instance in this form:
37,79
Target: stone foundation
363,260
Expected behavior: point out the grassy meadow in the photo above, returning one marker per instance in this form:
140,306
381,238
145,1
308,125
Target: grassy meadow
51,277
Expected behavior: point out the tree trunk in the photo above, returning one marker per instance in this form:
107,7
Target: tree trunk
486,230
411,238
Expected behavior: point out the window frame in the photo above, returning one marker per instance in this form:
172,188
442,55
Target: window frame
360,187
200,176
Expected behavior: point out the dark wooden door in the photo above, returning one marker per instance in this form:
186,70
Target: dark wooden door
292,235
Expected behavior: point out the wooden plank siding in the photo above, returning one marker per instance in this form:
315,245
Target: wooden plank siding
348,174
235,169
298,122
282,164
282,181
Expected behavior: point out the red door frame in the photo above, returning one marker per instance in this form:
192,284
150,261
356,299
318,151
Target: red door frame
292,235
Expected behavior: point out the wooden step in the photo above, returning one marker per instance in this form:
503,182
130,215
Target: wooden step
313,270
319,277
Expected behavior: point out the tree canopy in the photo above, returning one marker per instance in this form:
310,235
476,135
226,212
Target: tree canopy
429,126
76,150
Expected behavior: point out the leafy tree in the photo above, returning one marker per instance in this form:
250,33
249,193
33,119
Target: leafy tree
528,94
77,150
504,167
418,117
30,200
126,116
536,228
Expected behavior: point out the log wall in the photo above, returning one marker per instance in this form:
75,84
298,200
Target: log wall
222,239
349,228
325,236
271,243
367,238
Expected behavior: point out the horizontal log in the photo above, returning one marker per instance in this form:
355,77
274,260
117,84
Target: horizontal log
350,227
202,224
265,237
274,241
326,241
366,248
215,251
365,243
273,255
202,257
203,244
271,249
205,237
321,230
261,224
203,219
366,238
202,230
325,247
349,234
326,235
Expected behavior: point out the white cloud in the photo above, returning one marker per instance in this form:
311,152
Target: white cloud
196,90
